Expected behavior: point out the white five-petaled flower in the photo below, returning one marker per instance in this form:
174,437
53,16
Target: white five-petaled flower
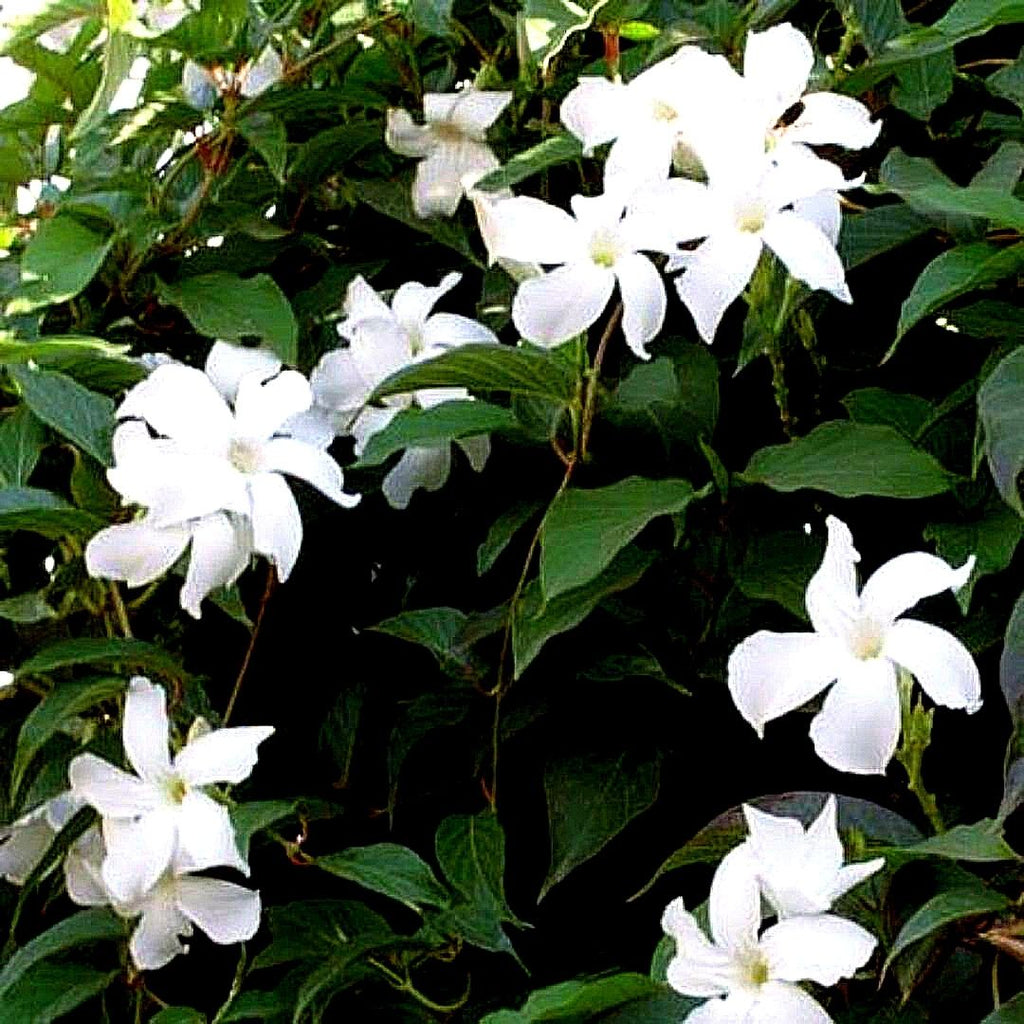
167,911
160,819
383,339
598,246
801,871
452,145
858,640
752,977
24,842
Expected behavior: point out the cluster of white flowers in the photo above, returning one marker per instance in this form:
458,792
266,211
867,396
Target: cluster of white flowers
859,641
750,975
761,186
158,828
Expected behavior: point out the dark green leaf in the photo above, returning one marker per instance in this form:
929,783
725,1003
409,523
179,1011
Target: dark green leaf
924,84
22,439
560,149
28,508
1001,410
1011,1012
388,868
49,991
990,318
438,629
1011,682
1008,82
907,413
75,412
432,17
777,567
964,20
876,231
268,136
26,608
850,459
980,843
585,529
179,1015
329,151
502,530
95,650
440,424
590,801
118,54
249,818
232,308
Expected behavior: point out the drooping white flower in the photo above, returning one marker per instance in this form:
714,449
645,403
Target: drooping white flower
168,910
801,871
787,202
202,85
160,818
451,146
858,641
24,843
752,977
382,340
597,247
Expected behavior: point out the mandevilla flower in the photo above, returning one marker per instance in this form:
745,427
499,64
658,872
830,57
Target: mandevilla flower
859,640
452,145
750,977
160,819
801,871
24,842
382,340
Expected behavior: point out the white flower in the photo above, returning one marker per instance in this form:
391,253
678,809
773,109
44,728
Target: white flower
161,818
672,103
859,641
802,872
6,679
24,843
201,85
383,340
452,145
214,476
787,201
167,911
15,82
747,977
598,246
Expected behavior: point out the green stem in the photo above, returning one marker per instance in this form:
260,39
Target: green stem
917,734
405,985
236,986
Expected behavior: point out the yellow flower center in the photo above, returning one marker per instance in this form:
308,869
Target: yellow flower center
604,248
663,112
750,217
245,455
177,789
867,640
754,969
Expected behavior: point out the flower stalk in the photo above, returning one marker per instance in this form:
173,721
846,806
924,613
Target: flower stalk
917,735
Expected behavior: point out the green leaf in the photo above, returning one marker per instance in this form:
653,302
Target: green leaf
1001,411
549,24
955,273
943,910
118,55
585,529
179,1015
75,412
22,439
1011,682
432,17
62,257
990,318
440,630
1008,82
876,231
964,20
268,136
49,991
26,608
520,371
850,459
96,650
559,149
388,868
97,924
56,710
232,308
502,530
777,567
329,151
28,508
906,412
440,424
39,18
249,818
536,621
923,85
590,801
394,199
980,843
1011,1012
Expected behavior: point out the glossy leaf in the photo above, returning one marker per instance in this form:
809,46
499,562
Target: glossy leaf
1001,410
22,438
388,868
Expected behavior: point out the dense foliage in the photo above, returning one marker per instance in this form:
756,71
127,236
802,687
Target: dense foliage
504,700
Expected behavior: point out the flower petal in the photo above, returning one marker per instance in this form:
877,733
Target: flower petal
779,1002
898,585
145,731
643,301
831,598
852,875
261,407
443,331
227,364
831,119
362,303
776,65
820,947
477,450
824,212
206,838
413,302
476,110
859,723
265,71
221,548
155,942
226,912
404,136
677,210
771,674
734,905
698,968
595,111
529,230
223,755
24,844
439,106
138,853
137,553
563,303
640,157
276,523
418,467
378,348
438,185
83,876
113,792
938,661
316,467
808,255
716,274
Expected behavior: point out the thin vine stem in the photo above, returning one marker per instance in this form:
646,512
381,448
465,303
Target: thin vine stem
264,601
